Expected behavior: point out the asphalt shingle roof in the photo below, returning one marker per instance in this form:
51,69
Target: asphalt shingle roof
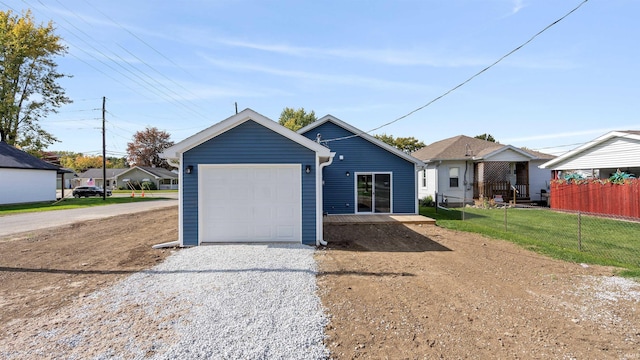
464,147
97,173
11,157
112,173
160,172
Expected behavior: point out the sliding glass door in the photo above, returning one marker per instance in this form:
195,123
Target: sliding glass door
373,192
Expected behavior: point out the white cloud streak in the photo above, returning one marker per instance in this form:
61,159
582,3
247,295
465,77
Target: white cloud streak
318,77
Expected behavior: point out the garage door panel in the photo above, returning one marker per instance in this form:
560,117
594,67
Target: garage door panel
285,231
240,203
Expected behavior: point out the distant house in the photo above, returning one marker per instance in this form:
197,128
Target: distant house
462,168
367,176
93,177
67,180
25,178
163,179
601,157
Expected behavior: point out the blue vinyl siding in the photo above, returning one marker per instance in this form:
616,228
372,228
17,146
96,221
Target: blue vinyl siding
361,155
248,143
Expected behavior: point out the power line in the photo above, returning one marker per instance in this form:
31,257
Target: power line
142,41
157,88
464,82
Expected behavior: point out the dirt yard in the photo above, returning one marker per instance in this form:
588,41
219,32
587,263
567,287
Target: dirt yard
44,270
391,291
413,292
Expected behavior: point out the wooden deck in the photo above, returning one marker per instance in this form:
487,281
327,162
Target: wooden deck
377,219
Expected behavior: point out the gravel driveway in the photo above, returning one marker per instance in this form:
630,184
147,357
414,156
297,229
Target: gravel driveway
207,302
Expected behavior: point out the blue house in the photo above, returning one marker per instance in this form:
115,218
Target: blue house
249,179
367,176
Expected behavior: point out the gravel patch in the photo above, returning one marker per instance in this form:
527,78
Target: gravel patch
207,302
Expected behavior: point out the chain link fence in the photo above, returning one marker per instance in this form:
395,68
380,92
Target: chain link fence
580,236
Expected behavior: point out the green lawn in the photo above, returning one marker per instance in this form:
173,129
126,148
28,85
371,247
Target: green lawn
69,203
599,241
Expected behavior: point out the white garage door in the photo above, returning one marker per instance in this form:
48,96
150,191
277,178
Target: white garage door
250,203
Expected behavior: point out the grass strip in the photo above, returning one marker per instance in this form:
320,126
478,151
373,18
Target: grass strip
601,241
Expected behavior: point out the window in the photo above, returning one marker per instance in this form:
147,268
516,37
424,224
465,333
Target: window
453,177
424,178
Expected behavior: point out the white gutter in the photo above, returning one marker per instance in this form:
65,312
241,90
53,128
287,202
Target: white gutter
319,200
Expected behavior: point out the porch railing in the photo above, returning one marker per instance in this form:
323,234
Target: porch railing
503,188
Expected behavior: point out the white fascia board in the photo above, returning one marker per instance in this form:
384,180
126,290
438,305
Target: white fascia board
361,134
174,151
503,149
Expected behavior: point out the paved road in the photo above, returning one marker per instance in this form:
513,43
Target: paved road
12,224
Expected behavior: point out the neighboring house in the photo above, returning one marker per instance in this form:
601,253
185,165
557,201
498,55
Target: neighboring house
367,175
600,158
70,179
161,177
94,177
120,178
462,168
249,179
25,178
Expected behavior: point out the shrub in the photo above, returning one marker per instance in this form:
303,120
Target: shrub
148,185
427,201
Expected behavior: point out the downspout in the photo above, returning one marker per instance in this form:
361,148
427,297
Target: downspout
319,237
437,181
417,169
465,182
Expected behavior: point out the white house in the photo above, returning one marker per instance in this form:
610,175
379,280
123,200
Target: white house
463,168
601,157
25,178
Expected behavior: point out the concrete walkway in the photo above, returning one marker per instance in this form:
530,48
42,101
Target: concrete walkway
12,224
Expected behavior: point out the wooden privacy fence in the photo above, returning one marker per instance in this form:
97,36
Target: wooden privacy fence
597,197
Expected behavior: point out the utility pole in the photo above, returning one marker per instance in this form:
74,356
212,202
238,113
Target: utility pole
104,153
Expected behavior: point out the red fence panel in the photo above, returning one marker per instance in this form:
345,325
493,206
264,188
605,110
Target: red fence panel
598,197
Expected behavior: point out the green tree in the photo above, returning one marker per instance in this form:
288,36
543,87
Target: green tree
406,144
296,119
116,162
28,80
487,137
146,148
80,162
68,159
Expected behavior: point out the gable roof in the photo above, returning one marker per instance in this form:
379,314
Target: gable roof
564,158
156,172
11,157
361,134
97,173
463,147
174,151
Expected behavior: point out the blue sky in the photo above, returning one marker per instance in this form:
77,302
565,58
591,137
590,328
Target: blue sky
181,65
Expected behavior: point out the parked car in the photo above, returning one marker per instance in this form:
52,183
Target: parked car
86,191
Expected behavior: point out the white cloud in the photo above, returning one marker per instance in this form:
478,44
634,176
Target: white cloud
384,56
517,6
318,77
